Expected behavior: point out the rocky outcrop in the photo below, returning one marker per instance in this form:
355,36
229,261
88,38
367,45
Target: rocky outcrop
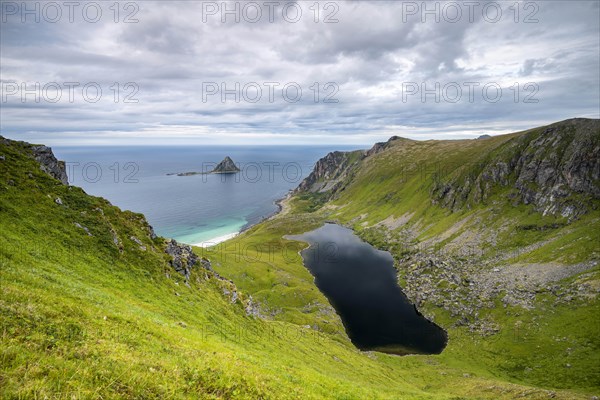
381,146
44,156
227,166
330,172
183,258
49,164
556,169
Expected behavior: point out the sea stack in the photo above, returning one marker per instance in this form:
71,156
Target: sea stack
227,166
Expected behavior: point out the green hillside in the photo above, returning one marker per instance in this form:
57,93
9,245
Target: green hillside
91,305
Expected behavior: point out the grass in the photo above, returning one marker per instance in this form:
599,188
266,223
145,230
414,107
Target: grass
83,317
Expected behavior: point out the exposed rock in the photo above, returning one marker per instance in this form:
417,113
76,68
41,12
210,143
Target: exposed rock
330,172
2,158
183,258
49,164
58,201
234,296
139,242
206,264
252,309
555,169
381,146
151,232
227,166
115,239
78,225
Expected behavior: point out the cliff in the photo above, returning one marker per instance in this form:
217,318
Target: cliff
331,171
46,159
555,169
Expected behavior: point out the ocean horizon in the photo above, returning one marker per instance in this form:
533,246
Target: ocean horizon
199,209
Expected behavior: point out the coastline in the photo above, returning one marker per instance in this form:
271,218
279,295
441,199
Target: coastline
216,240
280,203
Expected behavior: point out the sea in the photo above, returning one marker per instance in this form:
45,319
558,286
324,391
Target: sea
198,209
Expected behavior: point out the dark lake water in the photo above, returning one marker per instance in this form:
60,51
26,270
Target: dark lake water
360,282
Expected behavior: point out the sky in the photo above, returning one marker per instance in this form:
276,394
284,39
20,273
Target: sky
305,72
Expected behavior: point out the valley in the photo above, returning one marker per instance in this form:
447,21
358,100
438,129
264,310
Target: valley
494,240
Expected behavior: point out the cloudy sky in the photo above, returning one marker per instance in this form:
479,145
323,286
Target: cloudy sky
309,72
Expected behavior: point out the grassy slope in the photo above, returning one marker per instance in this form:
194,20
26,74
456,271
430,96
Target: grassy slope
532,347
80,318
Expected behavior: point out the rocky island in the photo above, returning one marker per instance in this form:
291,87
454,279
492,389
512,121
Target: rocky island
227,166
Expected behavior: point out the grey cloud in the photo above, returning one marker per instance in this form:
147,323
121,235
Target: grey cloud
369,54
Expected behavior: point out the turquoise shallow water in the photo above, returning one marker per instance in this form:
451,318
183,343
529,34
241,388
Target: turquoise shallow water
197,208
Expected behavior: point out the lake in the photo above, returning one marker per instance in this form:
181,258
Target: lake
361,284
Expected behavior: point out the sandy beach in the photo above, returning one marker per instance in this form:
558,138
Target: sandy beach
216,240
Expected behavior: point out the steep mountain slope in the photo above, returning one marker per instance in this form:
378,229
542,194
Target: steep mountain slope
94,305
496,240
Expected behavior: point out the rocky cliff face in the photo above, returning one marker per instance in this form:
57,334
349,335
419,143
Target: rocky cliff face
333,171
556,169
381,146
330,172
44,156
49,164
